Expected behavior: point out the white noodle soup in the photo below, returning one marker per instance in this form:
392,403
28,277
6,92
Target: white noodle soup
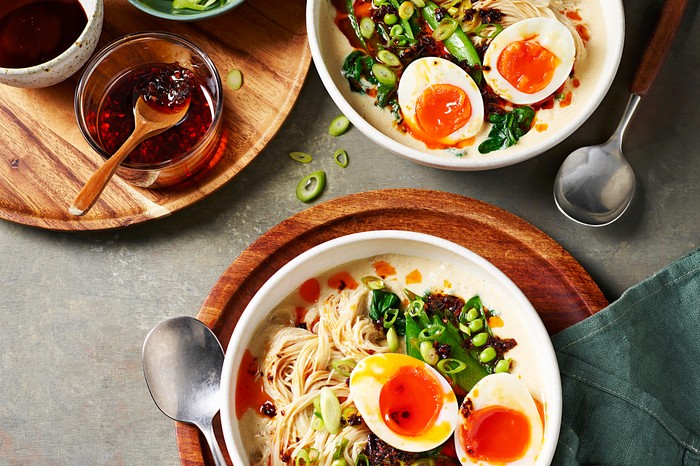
314,313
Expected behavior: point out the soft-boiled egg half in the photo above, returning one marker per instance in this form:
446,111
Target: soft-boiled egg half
441,103
499,424
529,60
404,401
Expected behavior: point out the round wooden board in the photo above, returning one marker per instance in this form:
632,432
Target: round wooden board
45,160
558,287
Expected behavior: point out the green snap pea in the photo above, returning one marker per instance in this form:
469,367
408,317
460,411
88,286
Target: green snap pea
502,366
390,19
396,30
488,354
480,339
311,186
476,326
339,125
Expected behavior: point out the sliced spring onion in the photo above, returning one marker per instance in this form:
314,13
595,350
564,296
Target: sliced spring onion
384,74
311,186
445,29
339,125
428,353
373,283
418,3
392,339
330,410
339,448
349,411
302,458
367,27
431,332
406,9
415,308
192,4
362,460
341,158
390,317
234,79
339,462
302,157
451,366
388,58
497,29
343,366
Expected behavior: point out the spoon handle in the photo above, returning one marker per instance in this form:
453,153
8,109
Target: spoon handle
208,431
99,179
658,46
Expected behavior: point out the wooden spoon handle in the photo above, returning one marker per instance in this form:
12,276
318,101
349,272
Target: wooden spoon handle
99,179
658,46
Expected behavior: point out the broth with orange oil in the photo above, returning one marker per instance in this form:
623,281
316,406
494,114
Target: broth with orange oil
399,272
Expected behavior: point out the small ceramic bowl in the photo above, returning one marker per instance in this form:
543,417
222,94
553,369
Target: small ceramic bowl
329,48
164,9
68,62
465,270
137,50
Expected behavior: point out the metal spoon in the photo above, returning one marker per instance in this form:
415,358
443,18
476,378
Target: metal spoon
149,121
595,184
182,362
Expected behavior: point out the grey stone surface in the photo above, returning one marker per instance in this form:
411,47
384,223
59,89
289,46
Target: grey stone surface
75,308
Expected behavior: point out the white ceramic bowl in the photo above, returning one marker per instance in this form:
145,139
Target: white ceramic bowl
349,248
325,40
67,63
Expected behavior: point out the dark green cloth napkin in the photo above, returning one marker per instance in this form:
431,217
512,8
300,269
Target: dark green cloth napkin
631,376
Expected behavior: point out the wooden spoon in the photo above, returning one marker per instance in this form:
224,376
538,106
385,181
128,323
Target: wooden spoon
149,120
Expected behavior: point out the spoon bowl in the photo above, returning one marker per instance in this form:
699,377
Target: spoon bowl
182,364
595,184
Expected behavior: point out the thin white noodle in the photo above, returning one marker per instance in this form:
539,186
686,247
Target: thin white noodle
517,10
298,365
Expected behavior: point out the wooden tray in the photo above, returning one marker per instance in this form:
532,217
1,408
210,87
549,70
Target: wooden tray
558,287
45,160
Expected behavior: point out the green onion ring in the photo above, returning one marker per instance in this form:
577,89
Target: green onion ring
341,366
301,157
431,332
444,366
341,158
373,283
479,29
392,315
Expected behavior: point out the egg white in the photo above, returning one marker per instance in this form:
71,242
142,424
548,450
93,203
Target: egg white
503,389
429,71
366,382
549,34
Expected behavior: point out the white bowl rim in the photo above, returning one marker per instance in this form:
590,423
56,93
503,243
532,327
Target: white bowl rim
615,11
551,377
92,18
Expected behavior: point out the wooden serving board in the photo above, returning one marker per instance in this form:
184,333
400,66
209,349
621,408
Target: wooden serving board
558,287
45,160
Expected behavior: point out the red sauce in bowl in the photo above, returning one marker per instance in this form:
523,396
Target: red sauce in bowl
167,86
39,31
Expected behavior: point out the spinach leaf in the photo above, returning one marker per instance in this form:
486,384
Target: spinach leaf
357,69
507,129
382,301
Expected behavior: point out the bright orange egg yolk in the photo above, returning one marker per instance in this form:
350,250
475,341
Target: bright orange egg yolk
410,401
441,109
527,65
495,433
